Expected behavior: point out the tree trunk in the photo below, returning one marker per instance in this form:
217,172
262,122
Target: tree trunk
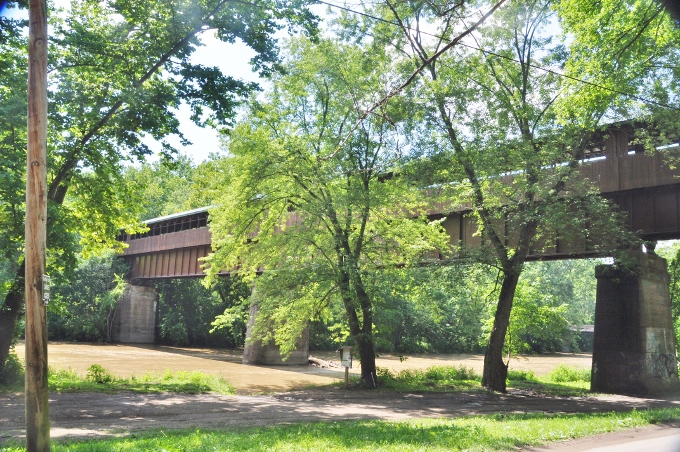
495,370
367,358
365,339
14,302
361,331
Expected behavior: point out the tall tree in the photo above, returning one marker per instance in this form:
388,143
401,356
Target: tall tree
514,133
13,107
118,70
309,200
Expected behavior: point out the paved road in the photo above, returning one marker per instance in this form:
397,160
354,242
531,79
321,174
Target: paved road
657,438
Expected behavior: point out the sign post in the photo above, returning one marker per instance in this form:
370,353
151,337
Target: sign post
346,361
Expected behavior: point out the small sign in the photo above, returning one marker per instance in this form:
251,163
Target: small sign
346,356
45,289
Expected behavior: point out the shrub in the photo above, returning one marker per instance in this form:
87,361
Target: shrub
12,373
384,374
97,374
445,373
564,373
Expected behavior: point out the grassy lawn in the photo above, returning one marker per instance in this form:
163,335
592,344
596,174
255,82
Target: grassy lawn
99,379
562,381
478,433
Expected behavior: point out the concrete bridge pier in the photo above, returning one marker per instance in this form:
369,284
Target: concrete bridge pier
255,352
135,318
634,345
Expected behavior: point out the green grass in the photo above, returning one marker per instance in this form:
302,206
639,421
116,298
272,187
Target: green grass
564,373
478,433
563,381
435,379
99,379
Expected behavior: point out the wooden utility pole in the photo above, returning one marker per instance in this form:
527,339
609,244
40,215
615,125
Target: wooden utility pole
37,408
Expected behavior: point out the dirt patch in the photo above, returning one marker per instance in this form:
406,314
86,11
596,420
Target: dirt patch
95,414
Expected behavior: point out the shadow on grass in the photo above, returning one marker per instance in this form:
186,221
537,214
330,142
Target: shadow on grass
575,389
145,388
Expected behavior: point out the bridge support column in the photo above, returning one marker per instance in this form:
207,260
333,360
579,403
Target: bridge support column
135,319
255,352
634,344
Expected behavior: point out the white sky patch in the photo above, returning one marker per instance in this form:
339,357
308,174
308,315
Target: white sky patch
233,60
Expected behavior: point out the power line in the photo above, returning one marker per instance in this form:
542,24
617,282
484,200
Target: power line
488,52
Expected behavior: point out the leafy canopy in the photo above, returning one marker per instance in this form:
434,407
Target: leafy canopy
309,195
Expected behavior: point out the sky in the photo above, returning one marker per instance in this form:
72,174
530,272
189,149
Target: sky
233,60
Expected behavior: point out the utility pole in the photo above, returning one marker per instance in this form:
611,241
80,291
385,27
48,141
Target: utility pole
36,283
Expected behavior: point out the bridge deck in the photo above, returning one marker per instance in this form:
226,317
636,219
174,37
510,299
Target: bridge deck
644,186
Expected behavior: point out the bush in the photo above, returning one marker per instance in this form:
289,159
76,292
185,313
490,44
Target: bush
446,373
564,373
384,374
97,374
12,373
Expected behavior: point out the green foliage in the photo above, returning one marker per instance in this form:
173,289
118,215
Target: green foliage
536,323
564,373
97,374
487,432
436,309
190,314
12,374
169,187
83,308
627,46
572,381
118,71
99,379
13,60
449,309
521,375
552,300
494,132
309,174
672,254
